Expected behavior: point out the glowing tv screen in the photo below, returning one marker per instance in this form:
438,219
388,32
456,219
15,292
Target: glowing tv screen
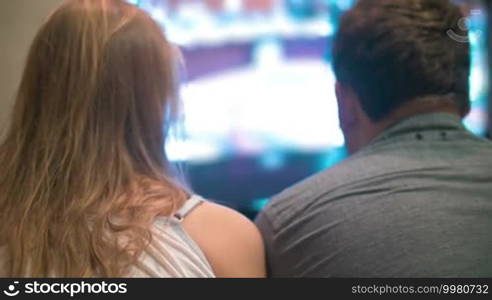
258,76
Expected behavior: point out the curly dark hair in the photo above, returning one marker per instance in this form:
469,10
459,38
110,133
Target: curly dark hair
394,51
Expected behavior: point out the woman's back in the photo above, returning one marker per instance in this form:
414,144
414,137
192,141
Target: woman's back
85,182
172,252
237,250
203,240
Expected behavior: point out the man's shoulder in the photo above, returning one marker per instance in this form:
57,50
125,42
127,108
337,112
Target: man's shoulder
379,163
321,186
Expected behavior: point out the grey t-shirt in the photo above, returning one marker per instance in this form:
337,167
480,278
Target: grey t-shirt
417,202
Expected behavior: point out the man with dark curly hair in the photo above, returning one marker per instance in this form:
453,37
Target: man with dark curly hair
414,199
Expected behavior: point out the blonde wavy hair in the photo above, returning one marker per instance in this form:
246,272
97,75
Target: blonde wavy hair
84,170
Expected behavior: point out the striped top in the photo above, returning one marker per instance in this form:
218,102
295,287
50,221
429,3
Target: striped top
173,253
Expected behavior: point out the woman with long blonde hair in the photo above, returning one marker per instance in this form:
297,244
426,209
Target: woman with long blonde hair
85,186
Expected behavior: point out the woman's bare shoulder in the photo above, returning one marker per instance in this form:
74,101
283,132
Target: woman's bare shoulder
230,241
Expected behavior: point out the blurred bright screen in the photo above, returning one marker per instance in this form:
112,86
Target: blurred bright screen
259,83
277,91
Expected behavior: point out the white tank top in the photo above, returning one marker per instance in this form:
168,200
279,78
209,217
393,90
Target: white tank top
172,252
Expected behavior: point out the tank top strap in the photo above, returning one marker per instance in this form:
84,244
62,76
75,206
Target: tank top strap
188,207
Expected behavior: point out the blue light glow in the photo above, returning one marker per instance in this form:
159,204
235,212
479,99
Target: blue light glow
259,204
275,103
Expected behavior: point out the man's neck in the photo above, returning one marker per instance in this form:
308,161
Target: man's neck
369,130
423,106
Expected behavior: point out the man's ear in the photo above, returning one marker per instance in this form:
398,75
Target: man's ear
347,101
